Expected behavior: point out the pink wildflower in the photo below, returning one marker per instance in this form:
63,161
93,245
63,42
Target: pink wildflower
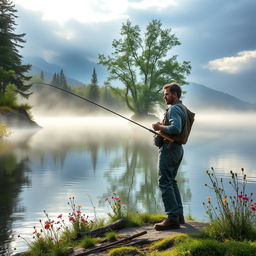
71,218
60,216
240,196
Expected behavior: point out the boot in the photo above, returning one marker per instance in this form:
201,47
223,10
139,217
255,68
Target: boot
182,219
167,224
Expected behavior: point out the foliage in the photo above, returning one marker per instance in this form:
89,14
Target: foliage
206,247
232,217
11,70
103,95
143,65
9,98
111,236
4,132
125,251
94,80
89,242
59,80
142,219
54,235
169,242
116,206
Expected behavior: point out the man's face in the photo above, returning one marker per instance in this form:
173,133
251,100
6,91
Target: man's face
168,97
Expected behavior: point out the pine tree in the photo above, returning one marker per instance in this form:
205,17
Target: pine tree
63,80
94,80
11,68
54,80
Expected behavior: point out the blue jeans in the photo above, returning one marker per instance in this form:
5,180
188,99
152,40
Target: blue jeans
168,164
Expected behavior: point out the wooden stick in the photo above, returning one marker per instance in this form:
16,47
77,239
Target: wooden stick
117,225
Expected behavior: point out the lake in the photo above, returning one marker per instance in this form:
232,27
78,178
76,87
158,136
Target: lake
89,158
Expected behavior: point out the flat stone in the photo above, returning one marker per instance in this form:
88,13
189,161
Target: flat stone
153,235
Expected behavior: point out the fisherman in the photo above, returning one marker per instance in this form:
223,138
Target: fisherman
175,125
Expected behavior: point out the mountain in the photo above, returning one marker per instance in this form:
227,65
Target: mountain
78,71
199,96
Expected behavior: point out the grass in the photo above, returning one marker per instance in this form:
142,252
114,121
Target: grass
89,242
222,232
111,236
209,247
169,242
125,251
142,219
45,247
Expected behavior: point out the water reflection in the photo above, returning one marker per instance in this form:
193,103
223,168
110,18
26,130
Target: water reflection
13,176
96,156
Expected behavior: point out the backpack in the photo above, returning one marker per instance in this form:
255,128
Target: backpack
182,138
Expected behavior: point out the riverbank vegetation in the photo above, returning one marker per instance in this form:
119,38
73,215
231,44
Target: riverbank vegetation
230,231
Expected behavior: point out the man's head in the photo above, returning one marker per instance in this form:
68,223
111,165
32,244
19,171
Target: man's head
172,92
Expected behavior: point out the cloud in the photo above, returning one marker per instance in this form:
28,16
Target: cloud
90,10
70,33
243,61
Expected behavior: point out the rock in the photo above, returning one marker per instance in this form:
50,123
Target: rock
16,118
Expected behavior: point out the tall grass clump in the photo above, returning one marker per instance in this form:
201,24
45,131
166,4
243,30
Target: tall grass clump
231,216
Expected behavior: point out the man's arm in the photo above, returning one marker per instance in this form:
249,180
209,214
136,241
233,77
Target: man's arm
175,120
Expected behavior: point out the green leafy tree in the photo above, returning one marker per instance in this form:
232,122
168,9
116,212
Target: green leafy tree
11,68
143,65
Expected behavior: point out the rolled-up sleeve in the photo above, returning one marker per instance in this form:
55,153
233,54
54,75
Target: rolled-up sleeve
175,120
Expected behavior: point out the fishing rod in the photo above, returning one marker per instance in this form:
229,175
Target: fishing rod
107,109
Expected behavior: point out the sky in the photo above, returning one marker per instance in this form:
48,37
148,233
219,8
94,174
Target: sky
218,37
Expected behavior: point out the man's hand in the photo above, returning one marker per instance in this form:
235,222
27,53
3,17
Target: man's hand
157,126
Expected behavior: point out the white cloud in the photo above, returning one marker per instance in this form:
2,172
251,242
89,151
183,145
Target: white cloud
90,10
243,61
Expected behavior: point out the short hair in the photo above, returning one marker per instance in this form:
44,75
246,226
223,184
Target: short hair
173,87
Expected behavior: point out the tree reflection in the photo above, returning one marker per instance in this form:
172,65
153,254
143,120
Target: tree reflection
13,176
138,184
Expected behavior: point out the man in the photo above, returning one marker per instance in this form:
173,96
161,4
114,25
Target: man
170,156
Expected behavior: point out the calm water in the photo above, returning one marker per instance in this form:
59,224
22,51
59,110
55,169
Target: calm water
89,158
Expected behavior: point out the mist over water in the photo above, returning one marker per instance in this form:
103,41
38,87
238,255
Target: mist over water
90,157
